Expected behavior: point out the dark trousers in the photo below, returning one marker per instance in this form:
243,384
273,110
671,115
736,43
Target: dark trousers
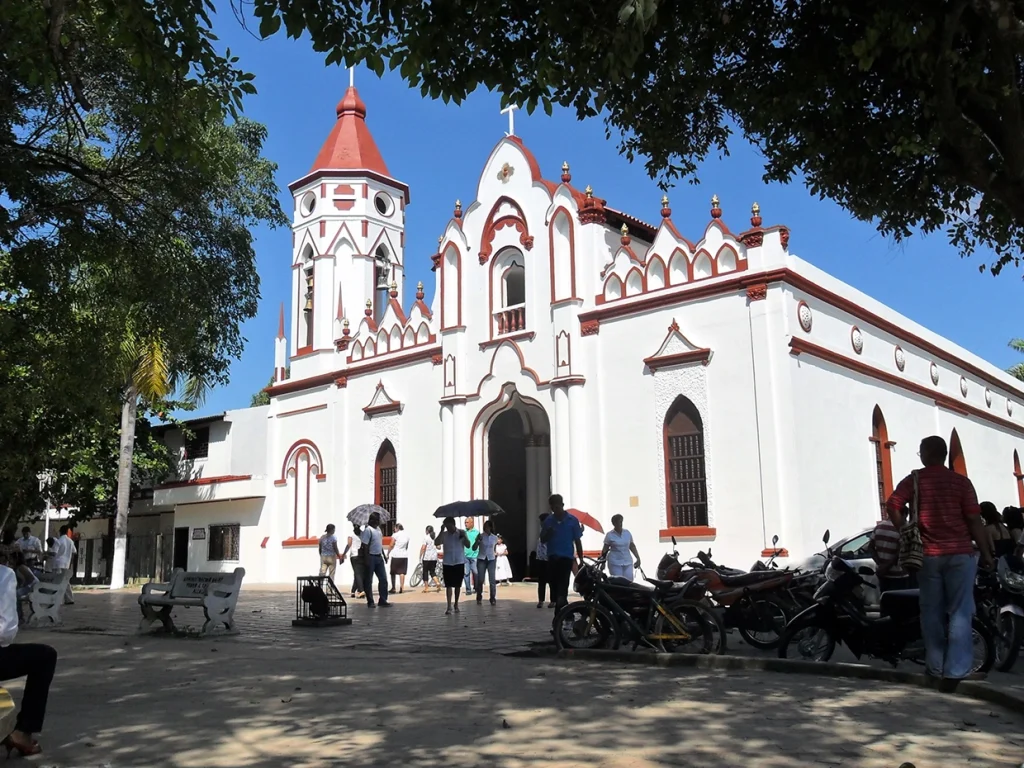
375,566
888,583
559,573
358,571
35,662
540,572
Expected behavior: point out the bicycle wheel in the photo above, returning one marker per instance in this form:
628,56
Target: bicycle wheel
701,638
585,626
417,576
714,621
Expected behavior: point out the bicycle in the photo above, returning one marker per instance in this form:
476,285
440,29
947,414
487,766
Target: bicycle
614,609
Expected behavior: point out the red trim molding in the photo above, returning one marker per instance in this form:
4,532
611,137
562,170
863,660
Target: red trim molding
377,410
689,532
519,336
375,365
800,346
702,356
297,411
682,294
346,173
774,553
203,481
310,542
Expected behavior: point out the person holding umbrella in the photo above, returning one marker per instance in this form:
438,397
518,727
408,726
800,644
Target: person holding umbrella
454,544
562,534
374,541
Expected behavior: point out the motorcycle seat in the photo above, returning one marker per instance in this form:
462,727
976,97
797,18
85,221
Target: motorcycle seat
897,601
745,579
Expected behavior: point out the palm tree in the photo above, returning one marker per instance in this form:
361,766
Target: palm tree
147,372
1017,370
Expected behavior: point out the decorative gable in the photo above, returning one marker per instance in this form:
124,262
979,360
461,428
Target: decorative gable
677,350
381,403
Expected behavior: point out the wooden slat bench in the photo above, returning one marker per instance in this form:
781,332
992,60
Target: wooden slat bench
215,593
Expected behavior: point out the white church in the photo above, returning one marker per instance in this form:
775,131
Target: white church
707,385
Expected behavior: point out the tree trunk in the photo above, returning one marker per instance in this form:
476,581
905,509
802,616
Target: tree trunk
129,408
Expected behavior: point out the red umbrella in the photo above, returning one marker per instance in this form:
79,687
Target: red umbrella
587,519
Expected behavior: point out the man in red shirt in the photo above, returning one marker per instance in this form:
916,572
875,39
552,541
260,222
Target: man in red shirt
949,518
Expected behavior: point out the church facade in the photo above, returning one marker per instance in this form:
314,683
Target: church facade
709,386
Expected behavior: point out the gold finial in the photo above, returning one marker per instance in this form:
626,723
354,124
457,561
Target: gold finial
664,201
394,286
589,191
344,322
440,240
458,203
369,303
565,166
624,230
419,286
755,209
714,201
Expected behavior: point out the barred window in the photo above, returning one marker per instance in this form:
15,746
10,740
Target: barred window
223,542
386,495
685,471
198,446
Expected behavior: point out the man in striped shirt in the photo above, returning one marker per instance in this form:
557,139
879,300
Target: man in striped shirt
949,518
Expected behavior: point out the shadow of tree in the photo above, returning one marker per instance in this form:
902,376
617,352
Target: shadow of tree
181,703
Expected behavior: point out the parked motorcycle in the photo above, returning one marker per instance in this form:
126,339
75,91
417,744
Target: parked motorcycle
999,601
755,603
839,615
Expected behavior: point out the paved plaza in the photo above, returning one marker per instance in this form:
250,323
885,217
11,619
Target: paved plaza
411,686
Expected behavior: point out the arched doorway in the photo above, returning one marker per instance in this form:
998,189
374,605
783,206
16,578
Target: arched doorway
956,455
519,475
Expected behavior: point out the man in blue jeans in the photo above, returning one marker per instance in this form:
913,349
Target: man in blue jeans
949,518
472,534
562,534
372,538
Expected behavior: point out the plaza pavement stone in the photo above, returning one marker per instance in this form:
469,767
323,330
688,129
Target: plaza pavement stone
408,685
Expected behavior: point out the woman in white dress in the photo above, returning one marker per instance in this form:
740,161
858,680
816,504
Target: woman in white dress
503,571
618,546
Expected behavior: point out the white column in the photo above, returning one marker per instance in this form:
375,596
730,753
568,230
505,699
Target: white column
578,449
447,454
460,455
560,439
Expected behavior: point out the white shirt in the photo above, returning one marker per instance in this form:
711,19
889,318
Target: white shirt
618,543
486,542
8,606
400,545
30,544
371,537
454,552
65,549
429,549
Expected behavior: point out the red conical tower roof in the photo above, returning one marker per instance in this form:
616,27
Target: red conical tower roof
350,146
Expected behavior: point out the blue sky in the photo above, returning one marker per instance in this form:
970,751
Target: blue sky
439,151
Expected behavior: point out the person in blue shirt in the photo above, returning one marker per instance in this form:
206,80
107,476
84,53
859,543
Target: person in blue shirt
562,534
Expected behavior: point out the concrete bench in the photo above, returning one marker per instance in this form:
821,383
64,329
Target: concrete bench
47,597
215,593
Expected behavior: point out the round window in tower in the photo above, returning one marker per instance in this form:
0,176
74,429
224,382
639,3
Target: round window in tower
308,203
384,204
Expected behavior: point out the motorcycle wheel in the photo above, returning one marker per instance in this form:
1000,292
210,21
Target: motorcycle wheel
1009,630
690,615
585,626
807,641
771,618
983,636
417,576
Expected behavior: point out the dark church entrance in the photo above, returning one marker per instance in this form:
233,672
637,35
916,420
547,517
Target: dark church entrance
519,477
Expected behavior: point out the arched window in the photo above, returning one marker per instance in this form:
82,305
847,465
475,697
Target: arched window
1020,478
883,458
381,282
956,455
685,478
307,297
386,484
514,286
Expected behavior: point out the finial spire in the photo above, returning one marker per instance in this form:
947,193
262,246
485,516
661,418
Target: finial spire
280,323
755,215
351,77
665,210
716,209
566,176
625,234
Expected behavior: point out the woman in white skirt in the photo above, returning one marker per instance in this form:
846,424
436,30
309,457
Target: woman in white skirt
502,570
618,546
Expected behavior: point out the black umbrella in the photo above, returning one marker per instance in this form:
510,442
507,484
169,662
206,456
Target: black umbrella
476,508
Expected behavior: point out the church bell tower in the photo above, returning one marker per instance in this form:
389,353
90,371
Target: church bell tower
348,238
